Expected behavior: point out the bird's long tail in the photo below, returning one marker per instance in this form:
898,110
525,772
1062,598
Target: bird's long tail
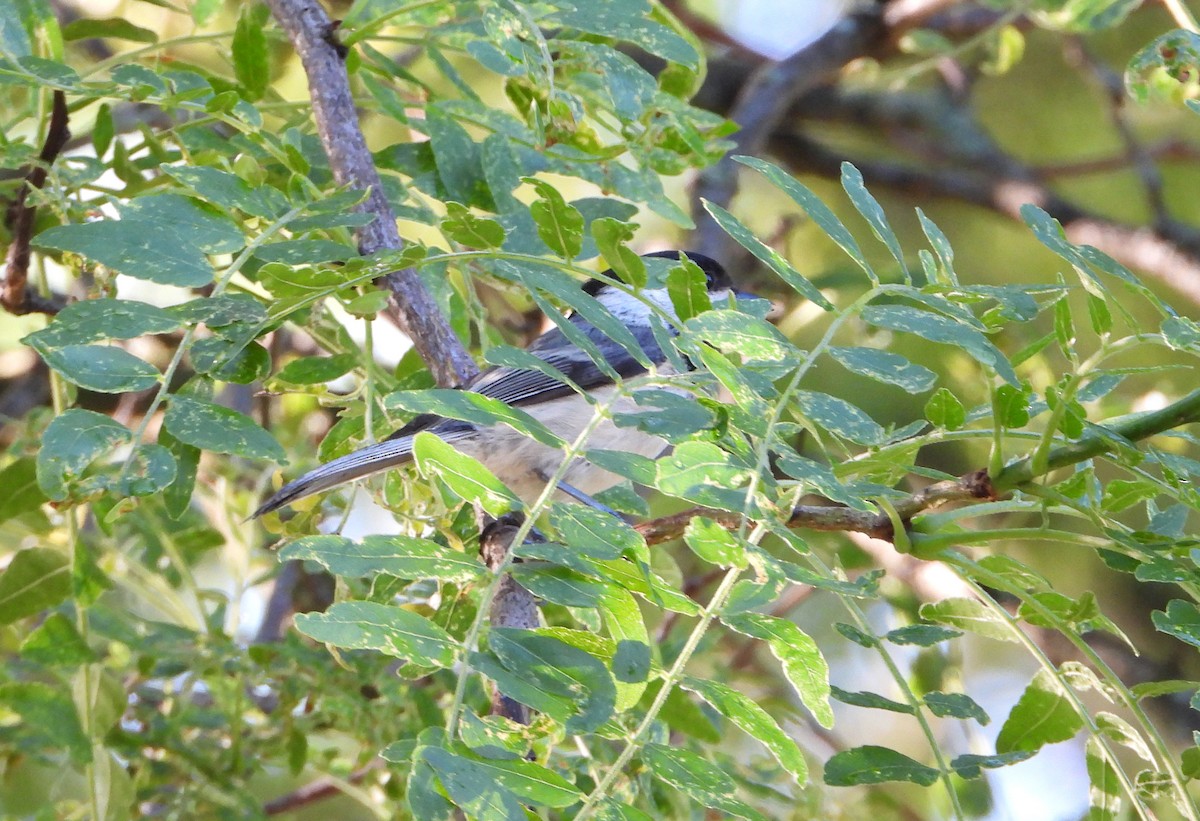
363,462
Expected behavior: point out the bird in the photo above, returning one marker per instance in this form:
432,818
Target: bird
524,465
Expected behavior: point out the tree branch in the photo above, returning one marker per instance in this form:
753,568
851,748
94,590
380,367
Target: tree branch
313,35
512,606
970,488
1169,253
15,296
760,107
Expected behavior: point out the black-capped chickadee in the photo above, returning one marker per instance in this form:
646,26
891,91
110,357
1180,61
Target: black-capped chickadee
522,464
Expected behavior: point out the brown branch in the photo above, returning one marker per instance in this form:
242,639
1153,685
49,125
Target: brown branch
1113,86
1168,150
313,35
1170,253
513,605
316,791
761,106
972,487
15,296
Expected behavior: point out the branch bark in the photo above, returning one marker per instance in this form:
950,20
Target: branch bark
970,488
15,297
513,605
760,108
313,35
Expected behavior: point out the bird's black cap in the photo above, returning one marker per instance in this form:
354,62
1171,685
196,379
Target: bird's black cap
714,273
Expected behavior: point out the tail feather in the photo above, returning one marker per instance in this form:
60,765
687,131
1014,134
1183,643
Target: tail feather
371,459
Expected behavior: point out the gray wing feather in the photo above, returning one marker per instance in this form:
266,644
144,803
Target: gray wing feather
511,385
520,387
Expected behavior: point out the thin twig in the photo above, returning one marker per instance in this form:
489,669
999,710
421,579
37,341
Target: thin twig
317,790
15,297
1113,86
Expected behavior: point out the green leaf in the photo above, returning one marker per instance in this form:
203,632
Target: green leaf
921,635
594,532
940,245
970,615
714,544
817,211
559,224
102,368
872,211
875,765
21,492
1083,16
1043,715
887,367
111,27
802,661
313,370
938,328
229,190
474,408
423,798
697,778
91,320
956,705
1181,620
48,715
610,236
701,472
1106,791
151,469
209,229
840,418
221,430
1011,406
872,701
306,252
754,721
629,20
251,64
36,579
945,411
72,442
530,782
1165,67
56,642
970,765
405,557
466,477
470,230
753,339
766,254
142,249
688,291
394,631
551,676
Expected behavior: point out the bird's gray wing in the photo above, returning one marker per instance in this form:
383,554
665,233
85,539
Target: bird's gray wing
518,386
514,386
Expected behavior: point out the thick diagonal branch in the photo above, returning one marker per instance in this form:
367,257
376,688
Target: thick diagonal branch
313,35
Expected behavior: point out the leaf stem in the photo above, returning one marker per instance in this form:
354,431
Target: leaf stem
616,770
